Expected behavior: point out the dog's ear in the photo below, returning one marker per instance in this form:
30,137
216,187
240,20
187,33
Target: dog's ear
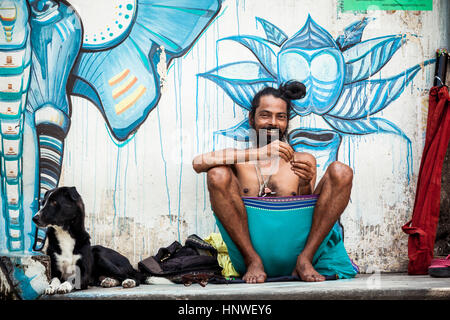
73,193
47,193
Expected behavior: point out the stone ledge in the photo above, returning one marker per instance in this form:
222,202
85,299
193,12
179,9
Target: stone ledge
385,286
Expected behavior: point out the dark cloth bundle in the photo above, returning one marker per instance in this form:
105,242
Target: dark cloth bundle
177,262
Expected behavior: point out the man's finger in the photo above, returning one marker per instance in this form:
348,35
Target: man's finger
281,154
288,149
284,156
285,153
307,170
288,154
304,162
302,174
301,166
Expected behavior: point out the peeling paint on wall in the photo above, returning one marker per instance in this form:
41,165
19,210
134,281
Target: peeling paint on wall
161,67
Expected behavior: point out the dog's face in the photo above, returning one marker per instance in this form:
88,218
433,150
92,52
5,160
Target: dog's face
60,207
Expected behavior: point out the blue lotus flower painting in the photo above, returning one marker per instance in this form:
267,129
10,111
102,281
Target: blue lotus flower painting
336,73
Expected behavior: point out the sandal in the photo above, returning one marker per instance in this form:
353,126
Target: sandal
440,268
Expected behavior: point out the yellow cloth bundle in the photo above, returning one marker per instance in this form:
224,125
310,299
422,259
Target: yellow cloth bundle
223,258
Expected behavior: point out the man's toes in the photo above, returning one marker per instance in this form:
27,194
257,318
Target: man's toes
309,278
320,278
314,278
255,278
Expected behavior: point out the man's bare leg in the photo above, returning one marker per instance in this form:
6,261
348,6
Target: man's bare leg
229,208
334,189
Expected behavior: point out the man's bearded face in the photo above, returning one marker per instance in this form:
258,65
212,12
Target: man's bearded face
270,120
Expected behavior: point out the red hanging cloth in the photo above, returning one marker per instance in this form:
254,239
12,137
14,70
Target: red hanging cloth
422,227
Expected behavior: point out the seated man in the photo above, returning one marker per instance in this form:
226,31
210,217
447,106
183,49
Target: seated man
274,169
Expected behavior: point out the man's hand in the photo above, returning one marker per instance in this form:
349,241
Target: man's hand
275,149
303,168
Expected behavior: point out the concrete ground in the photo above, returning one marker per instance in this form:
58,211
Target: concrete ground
385,286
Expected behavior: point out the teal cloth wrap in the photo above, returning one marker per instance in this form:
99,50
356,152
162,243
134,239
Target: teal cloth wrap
279,228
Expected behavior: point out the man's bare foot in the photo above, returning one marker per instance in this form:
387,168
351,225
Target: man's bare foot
304,269
255,273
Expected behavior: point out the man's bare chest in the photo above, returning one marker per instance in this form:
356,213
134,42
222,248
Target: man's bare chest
277,180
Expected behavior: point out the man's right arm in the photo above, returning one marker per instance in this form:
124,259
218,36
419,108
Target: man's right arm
206,161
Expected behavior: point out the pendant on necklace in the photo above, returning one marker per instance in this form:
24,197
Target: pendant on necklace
268,192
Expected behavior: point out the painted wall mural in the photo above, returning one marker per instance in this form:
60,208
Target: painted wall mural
118,104
336,74
45,57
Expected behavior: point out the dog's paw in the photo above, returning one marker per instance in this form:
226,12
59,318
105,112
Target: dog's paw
109,283
157,280
53,285
66,287
128,283
50,291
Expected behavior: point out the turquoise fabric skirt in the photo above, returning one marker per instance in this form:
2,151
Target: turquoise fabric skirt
279,228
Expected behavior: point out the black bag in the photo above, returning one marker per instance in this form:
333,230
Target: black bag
197,259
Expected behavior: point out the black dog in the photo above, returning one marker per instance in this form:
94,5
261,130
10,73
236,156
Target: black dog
75,264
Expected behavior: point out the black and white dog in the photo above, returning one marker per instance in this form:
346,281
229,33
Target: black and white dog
75,264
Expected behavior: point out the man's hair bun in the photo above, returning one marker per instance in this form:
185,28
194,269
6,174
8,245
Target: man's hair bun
290,90
293,90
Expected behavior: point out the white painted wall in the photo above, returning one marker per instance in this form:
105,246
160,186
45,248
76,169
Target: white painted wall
145,194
